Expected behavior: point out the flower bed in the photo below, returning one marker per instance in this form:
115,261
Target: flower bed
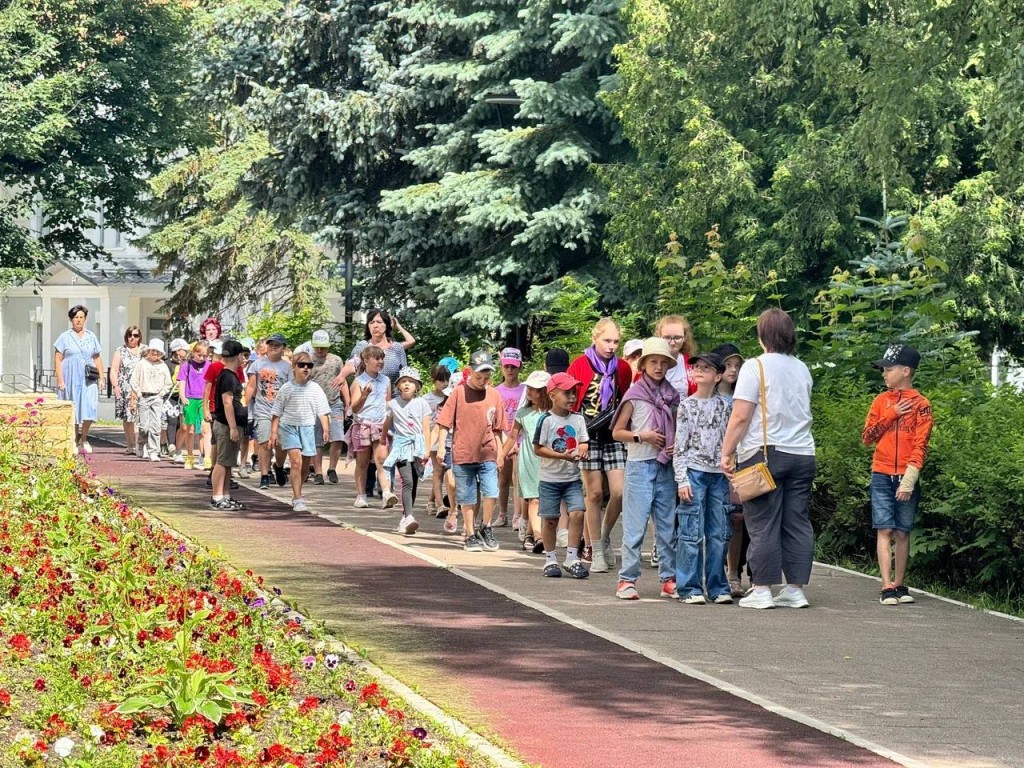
122,645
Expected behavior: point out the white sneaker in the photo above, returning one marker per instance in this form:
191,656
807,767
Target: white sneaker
598,564
243,472
389,501
523,523
759,599
299,505
791,598
693,600
609,552
179,458
86,447
360,502
562,537
155,457
408,525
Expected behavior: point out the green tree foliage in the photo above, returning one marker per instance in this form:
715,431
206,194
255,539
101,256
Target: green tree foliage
90,103
782,121
383,137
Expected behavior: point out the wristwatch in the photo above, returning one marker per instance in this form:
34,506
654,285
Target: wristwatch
636,437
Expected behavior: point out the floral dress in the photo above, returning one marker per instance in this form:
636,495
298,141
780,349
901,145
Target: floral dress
129,359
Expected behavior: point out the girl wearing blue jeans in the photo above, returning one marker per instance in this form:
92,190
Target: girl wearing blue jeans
645,422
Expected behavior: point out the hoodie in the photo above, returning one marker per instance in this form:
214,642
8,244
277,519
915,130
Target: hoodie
899,440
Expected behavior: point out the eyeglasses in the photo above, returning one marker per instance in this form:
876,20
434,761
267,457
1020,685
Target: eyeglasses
134,335
672,338
304,365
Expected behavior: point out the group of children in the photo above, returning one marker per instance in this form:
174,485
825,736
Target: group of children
518,446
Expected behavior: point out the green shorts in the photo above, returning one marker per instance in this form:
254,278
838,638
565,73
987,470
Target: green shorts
193,413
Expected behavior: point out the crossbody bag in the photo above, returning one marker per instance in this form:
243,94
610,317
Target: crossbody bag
756,480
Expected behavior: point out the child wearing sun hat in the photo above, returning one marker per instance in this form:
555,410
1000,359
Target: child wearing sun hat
150,382
409,420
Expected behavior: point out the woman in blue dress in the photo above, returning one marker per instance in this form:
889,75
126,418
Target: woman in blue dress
73,350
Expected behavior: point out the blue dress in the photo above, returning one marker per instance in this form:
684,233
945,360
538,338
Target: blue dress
77,352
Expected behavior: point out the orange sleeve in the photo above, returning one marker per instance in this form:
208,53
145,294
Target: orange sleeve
878,421
922,433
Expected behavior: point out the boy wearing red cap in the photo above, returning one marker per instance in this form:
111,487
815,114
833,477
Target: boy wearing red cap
562,442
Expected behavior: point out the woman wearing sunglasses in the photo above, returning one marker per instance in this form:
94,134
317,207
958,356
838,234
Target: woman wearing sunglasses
126,357
298,406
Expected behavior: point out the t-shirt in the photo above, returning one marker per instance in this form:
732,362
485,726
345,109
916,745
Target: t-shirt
270,377
407,417
788,393
193,377
324,372
681,377
640,421
433,401
700,430
395,358
212,372
227,382
561,433
473,415
511,397
374,409
300,405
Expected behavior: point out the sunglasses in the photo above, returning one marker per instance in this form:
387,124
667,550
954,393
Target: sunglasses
304,365
134,335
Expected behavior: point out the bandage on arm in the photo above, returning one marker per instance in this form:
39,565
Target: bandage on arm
909,479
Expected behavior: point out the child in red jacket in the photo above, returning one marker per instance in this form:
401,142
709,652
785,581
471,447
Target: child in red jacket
899,423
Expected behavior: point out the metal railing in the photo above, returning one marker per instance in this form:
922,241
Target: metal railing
16,383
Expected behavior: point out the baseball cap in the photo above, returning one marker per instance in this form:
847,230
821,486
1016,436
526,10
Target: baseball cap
538,380
321,339
899,354
451,364
276,338
711,359
556,361
511,356
631,347
562,381
481,360
178,344
231,348
725,351
156,345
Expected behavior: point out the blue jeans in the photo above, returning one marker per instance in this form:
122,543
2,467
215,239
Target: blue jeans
703,532
886,512
466,477
650,491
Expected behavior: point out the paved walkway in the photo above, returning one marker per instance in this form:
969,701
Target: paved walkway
562,674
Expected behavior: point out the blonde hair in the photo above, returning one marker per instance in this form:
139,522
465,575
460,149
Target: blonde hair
601,325
689,347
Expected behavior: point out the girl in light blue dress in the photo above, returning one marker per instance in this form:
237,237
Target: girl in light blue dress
73,350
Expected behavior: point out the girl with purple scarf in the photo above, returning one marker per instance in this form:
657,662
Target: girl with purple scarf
646,423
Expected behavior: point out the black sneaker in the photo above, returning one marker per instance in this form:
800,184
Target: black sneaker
552,570
538,548
904,594
576,569
280,476
164,451
486,535
473,544
528,543
332,476
318,479
264,482
890,596
234,486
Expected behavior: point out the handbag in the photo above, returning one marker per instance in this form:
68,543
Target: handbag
92,373
601,420
755,480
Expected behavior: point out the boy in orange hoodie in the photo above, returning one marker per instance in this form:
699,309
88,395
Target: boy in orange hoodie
899,423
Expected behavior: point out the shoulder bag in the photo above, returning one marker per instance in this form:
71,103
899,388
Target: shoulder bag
92,373
755,480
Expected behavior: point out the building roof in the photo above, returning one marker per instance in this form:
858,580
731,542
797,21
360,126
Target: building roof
120,269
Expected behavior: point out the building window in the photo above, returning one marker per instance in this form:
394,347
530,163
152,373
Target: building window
156,327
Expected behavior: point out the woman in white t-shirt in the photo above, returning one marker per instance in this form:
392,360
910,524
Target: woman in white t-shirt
781,536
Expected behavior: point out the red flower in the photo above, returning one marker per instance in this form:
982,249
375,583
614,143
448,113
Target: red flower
308,705
20,644
39,684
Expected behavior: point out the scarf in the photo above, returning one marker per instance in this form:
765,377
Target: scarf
607,369
663,399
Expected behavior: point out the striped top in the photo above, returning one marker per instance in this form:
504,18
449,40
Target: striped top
300,405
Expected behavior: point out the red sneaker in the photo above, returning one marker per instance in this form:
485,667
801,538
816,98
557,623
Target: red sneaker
668,589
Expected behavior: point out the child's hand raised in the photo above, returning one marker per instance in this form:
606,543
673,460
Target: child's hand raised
903,407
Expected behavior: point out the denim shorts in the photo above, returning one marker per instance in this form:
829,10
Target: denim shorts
467,476
886,512
553,494
301,438
336,425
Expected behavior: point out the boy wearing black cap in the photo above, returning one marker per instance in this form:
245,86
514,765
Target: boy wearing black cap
899,423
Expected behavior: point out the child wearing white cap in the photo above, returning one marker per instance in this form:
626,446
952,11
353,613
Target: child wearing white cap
151,380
